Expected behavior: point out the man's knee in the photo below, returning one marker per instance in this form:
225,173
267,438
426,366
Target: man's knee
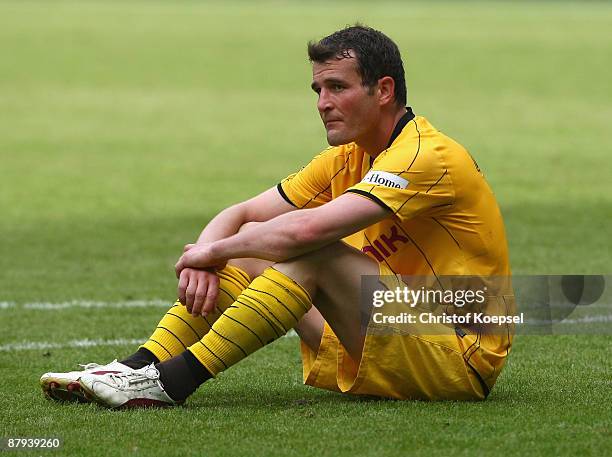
252,267
315,267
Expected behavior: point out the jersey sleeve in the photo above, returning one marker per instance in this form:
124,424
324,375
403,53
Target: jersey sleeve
311,186
407,185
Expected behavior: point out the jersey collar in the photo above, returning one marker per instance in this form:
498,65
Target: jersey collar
407,117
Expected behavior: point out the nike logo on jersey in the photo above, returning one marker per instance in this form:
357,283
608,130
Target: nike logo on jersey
384,243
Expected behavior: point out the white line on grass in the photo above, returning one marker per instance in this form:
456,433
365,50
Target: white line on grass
579,320
84,343
45,306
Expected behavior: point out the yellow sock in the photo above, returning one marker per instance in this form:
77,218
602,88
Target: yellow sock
271,305
178,329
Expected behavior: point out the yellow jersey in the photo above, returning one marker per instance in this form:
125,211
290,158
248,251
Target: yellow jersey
445,217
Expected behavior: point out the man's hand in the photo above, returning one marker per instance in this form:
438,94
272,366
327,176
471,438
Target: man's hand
198,256
198,290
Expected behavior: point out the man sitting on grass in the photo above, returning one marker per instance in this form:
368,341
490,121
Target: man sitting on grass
391,198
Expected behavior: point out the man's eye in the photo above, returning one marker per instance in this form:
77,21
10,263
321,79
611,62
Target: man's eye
337,87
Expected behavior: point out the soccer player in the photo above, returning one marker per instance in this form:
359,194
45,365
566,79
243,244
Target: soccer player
391,198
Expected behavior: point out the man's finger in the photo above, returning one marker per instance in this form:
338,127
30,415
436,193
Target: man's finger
200,296
188,247
190,292
179,267
182,286
211,294
184,262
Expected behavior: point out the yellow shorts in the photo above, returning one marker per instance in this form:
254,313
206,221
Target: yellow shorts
444,366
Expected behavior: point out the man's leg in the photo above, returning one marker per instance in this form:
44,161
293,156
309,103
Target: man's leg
309,327
279,298
273,303
332,275
178,329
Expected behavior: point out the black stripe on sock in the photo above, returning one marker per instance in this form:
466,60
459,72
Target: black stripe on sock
228,294
245,326
187,324
287,290
162,346
233,342
208,349
267,309
262,316
172,333
275,298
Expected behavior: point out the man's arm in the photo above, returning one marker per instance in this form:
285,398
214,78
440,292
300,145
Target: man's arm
291,234
263,207
197,288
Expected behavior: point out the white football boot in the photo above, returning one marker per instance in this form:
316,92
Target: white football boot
133,389
66,387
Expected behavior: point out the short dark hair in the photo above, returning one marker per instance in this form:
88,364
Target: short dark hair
377,55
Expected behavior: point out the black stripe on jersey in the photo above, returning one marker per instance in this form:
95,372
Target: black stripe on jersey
448,231
483,384
422,253
162,346
475,345
216,356
440,206
467,354
172,333
407,200
187,324
280,302
262,316
279,187
227,339
385,260
417,151
330,181
439,179
245,326
485,387
370,196
407,117
507,326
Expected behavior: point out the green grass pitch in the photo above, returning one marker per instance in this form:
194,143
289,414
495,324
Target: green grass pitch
125,126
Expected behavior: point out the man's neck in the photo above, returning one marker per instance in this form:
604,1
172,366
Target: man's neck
379,139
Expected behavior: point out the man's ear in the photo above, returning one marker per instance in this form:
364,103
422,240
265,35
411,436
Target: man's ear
386,90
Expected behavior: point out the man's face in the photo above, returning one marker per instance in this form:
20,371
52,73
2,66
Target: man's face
349,110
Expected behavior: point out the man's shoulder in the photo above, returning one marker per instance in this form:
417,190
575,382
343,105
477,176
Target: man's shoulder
420,142
345,153
342,150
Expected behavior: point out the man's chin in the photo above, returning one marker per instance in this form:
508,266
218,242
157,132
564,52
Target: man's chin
334,139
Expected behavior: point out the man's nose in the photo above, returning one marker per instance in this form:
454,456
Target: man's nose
324,103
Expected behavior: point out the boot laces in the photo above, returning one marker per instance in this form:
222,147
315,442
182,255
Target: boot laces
136,377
